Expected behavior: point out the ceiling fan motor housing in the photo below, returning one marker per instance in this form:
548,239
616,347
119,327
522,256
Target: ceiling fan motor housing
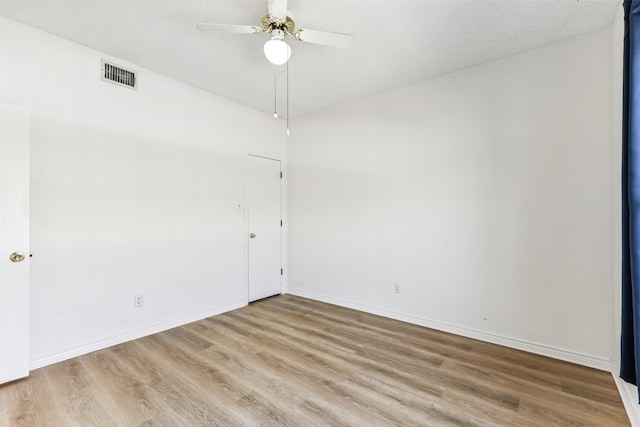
270,23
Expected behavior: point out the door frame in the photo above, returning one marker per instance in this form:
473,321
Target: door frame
283,215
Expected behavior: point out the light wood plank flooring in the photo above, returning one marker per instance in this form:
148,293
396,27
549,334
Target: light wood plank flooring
297,362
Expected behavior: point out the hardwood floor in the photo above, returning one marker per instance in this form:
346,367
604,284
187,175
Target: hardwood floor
297,362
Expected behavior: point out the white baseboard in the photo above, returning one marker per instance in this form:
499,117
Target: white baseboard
99,345
629,395
531,347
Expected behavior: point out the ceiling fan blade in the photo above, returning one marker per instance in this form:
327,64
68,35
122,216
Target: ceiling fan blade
231,29
277,8
324,38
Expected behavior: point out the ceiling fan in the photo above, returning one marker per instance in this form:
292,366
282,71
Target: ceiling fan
279,25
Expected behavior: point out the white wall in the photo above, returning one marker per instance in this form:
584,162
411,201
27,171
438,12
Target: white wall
486,194
133,192
617,31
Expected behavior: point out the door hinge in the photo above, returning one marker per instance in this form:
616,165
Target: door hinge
280,175
281,271
280,223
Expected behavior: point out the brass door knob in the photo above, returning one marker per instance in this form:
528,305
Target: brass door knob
252,235
16,257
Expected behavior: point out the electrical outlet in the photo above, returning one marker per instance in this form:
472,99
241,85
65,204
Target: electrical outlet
138,301
396,288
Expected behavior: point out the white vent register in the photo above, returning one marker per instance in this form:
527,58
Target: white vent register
115,74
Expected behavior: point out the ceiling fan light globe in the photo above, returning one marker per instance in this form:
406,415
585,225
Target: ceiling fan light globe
277,51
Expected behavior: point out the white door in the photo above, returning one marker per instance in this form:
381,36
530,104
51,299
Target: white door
264,227
14,243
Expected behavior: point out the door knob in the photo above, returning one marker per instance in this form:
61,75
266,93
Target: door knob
16,257
252,235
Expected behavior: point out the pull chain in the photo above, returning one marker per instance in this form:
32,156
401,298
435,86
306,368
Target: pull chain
287,98
275,93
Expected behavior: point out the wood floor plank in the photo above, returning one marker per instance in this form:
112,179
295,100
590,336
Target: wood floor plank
306,368
291,361
267,372
133,401
270,379
30,402
191,384
369,351
238,355
74,395
524,389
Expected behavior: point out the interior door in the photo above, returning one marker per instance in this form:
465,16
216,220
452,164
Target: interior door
14,243
264,227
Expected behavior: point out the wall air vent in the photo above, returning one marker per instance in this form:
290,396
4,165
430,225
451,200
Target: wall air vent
118,75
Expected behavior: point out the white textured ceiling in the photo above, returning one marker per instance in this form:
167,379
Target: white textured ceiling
396,42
